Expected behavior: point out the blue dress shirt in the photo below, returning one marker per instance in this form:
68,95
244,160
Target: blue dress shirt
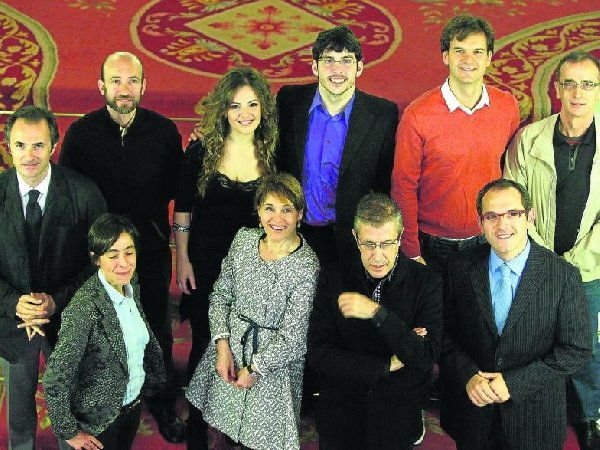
516,265
135,335
322,158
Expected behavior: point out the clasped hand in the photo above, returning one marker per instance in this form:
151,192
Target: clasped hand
85,441
35,310
225,367
485,388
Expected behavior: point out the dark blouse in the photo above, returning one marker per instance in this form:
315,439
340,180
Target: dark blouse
226,207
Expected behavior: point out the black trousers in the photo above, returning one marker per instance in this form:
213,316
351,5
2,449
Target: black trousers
197,437
496,438
154,277
121,433
435,250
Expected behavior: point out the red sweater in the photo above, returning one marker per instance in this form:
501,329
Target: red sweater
443,159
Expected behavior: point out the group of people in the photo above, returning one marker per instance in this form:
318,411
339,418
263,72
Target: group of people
309,224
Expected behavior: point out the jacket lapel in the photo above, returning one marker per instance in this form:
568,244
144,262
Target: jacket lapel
110,323
14,209
301,121
361,121
531,278
480,282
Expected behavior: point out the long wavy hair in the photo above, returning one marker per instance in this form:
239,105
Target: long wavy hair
215,126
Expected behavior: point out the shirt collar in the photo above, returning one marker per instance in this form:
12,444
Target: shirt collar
115,295
588,138
517,264
453,104
318,101
42,186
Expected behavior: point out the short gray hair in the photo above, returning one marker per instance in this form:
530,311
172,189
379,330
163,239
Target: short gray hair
377,209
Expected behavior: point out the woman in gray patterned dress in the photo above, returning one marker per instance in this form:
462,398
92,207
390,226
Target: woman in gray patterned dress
249,382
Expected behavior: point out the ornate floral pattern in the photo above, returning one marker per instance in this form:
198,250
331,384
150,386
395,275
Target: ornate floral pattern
210,36
104,6
27,64
440,11
525,60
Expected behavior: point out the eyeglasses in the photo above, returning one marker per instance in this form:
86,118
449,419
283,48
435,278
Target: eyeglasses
371,246
586,85
511,214
346,61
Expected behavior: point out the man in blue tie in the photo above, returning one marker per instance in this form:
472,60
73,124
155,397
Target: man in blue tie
515,325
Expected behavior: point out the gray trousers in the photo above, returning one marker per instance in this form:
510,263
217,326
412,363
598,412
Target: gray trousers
21,382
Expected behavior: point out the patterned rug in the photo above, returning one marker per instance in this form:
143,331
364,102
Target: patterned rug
50,52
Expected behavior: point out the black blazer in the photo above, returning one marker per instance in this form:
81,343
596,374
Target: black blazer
87,374
352,356
546,338
73,203
368,154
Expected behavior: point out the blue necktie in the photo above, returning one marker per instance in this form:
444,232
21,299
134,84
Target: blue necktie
502,298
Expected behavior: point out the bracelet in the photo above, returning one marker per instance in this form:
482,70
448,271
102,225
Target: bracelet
180,228
253,373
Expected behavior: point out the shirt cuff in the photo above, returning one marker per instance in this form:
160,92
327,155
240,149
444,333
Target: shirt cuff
257,364
220,336
380,317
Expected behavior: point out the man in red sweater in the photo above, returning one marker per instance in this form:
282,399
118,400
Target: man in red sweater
449,144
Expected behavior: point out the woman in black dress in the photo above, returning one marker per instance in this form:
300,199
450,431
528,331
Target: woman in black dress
219,177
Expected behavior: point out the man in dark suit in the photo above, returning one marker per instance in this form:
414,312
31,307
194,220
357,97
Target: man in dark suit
375,332
45,214
337,140
515,325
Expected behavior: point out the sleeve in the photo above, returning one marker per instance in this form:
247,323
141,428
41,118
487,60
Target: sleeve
289,342
386,161
413,350
453,358
405,180
514,169
9,297
70,152
62,368
325,355
222,295
515,120
188,177
585,254
173,161
572,345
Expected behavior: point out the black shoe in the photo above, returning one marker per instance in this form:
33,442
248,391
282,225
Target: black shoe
588,435
171,427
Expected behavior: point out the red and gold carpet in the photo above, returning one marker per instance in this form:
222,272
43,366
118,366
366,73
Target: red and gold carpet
51,53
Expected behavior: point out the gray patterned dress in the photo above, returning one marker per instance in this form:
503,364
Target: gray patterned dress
277,297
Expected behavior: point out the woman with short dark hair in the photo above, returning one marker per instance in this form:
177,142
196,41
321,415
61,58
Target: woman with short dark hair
106,353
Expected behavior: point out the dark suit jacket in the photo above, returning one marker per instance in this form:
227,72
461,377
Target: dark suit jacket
352,356
86,376
546,338
368,154
73,203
